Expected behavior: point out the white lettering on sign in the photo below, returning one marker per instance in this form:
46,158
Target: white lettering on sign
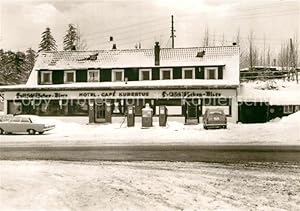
190,94
39,95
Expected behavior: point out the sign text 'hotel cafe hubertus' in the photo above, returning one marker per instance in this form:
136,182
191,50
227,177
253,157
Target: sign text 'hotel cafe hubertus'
120,94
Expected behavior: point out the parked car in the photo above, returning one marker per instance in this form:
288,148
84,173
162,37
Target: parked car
4,118
214,118
24,124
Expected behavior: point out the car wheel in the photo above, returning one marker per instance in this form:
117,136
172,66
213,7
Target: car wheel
205,128
1,131
225,127
31,131
41,133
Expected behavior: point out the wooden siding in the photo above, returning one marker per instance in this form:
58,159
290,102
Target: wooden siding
58,77
81,75
155,74
132,74
199,73
177,72
105,75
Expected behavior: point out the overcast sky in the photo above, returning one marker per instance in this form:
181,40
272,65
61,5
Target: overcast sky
147,21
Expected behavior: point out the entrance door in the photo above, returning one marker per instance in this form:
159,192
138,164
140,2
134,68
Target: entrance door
100,113
192,113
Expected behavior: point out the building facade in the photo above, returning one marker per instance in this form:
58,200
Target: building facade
102,84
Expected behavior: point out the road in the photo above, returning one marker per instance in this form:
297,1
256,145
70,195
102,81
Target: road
190,153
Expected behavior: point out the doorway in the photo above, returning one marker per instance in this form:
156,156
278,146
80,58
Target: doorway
192,112
100,113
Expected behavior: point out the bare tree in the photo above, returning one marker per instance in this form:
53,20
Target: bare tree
237,40
80,43
293,62
223,39
269,56
206,37
250,40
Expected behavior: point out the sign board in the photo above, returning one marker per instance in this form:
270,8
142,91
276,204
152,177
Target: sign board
118,94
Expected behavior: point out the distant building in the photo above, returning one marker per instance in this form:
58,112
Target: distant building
262,105
102,84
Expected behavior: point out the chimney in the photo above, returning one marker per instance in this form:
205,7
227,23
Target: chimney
156,54
114,47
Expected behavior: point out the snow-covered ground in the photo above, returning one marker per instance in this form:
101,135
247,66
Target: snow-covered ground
67,132
276,92
49,185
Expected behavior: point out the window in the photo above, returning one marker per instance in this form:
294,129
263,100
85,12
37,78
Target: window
46,77
118,107
188,73
25,120
93,75
145,74
69,76
211,73
166,74
117,75
15,119
297,108
287,109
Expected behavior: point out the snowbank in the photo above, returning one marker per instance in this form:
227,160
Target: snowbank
291,119
284,131
276,92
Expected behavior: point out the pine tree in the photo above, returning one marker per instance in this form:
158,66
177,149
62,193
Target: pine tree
47,43
20,68
70,39
15,67
30,60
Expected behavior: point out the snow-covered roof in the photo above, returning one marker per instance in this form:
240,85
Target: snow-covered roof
135,58
155,84
285,93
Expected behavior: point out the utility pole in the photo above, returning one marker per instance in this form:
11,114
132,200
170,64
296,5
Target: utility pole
172,31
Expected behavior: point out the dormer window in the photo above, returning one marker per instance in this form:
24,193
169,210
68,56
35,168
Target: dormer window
46,77
70,76
93,75
211,73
